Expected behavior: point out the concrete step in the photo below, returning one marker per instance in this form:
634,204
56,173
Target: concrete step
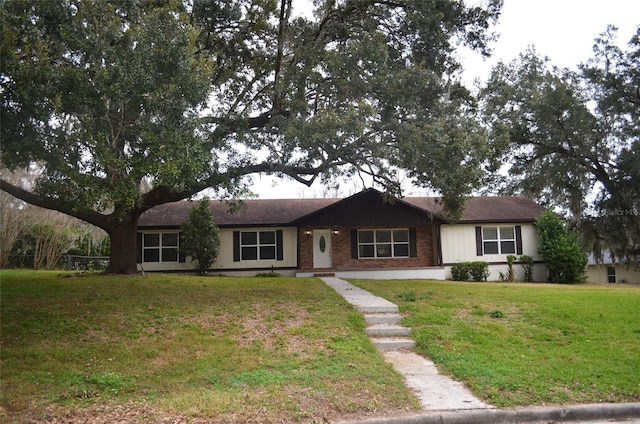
376,308
393,343
387,330
382,318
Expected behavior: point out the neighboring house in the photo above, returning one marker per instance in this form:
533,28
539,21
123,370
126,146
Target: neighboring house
608,270
359,236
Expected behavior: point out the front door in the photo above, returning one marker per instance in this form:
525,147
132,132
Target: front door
322,249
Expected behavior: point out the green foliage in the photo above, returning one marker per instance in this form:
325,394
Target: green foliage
409,296
127,105
511,274
573,135
527,263
497,314
200,236
460,271
475,271
560,249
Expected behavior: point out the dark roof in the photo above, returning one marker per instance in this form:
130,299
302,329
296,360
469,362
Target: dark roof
259,212
487,209
280,212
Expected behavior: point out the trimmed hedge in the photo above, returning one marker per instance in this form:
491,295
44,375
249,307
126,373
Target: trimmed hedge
474,271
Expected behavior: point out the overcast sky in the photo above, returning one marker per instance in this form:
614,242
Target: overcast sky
562,30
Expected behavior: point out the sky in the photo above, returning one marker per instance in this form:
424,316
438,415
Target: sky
562,30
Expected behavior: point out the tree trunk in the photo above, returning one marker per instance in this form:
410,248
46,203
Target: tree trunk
123,257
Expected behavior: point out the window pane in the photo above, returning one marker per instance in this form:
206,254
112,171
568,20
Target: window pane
401,250
507,247
267,237
365,236
507,233
249,253
366,251
151,240
489,233
170,255
490,247
151,255
267,252
170,239
383,236
249,238
383,250
400,235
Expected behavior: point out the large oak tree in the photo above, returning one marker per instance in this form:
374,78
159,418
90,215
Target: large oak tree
571,139
126,105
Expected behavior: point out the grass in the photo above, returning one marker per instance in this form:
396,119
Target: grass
526,344
228,349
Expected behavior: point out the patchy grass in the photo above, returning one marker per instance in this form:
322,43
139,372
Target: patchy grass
526,344
201,348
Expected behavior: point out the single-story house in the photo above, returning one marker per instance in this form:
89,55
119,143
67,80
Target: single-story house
364,236
610,270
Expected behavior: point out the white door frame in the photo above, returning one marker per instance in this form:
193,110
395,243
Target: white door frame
322,249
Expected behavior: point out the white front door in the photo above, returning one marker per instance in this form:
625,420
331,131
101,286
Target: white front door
322,249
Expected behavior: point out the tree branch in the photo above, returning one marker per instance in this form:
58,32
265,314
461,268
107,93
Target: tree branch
60,205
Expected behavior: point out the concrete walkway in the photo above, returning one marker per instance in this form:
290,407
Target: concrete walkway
444,400
436,392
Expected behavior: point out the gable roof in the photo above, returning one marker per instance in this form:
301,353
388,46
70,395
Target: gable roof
287,212
367,208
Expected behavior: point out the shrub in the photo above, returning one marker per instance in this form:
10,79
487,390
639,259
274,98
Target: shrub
479,270
460,271
465,271
560,249
511,274
527,267
200,236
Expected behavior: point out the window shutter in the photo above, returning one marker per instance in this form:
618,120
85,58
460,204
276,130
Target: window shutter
413,243
279,249
479,241
354,244
236,246
139,246
518,240
181,258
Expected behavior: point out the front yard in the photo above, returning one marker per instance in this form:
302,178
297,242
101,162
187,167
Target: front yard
173,348
170,348
526,344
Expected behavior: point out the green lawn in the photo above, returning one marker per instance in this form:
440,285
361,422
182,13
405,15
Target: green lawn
228,349
526,344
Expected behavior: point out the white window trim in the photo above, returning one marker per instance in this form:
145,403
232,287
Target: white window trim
258,245
499,240
392,243
159,247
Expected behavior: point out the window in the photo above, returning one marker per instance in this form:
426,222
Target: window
611,274
384,243
257,245
498,240
160,247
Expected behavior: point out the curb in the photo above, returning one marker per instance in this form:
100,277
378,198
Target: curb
589,412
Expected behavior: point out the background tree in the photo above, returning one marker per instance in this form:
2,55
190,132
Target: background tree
571,139
200,236
128,105
560,249
13,217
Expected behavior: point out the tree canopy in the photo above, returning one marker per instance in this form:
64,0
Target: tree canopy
126,105
571,139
